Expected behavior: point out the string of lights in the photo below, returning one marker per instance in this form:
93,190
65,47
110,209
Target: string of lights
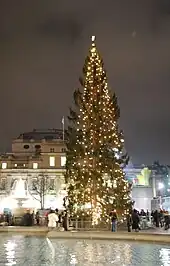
95,179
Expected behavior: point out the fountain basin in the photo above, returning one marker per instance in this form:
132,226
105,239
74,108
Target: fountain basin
16,250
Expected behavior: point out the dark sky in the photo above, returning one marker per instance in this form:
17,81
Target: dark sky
42,49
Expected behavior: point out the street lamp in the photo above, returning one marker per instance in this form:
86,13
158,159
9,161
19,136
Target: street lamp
160,186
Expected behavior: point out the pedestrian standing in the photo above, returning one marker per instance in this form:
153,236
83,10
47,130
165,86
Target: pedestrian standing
129,222
135,221
113,216
52,220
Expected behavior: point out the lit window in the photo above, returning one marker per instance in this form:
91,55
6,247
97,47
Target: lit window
52,161
4,165
35,165
63,160
24,164
15,164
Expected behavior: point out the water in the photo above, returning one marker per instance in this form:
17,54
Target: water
39,251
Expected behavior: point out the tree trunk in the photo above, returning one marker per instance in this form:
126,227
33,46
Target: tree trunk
42,201
41,204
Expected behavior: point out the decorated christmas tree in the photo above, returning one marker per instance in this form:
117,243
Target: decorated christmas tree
94,167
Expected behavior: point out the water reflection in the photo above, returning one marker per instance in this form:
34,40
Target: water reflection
165,256
27,251
10,252
73,260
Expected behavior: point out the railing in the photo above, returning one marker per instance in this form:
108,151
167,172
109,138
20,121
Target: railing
79,225
84,225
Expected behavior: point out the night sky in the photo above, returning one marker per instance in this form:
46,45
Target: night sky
43,45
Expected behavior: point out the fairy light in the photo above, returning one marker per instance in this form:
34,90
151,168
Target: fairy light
96,182
93,38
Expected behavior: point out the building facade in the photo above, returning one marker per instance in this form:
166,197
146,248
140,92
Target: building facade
36,155
36,166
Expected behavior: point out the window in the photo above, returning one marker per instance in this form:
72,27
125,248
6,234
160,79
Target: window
63,161
52,161
4,165
15,164
35,165
34,184
52,150
37,146
3,184
52,184
26,147
63,149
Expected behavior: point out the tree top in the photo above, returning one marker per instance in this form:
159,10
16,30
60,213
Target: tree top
93,38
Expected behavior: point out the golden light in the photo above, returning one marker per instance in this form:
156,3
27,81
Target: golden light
93,38
97,133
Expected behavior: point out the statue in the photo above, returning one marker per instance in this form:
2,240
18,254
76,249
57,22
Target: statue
143,177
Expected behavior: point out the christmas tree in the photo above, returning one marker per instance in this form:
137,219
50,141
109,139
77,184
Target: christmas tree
94,176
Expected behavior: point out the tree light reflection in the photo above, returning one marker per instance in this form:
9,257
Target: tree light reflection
10,252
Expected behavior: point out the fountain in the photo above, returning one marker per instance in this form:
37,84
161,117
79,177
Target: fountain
20,192
19,198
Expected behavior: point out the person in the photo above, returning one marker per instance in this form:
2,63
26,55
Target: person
37,218
167,220
56,212
60,219
65,221
33,217
156,218
46,217
52,220
113,215
7,218
129,222
161,218
135,221
147,215
28,218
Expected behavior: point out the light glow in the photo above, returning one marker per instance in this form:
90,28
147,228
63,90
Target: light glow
96,181
52,161
160,186
93,38
35,165
63,161
4,165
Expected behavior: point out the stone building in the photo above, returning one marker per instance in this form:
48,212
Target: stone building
39,154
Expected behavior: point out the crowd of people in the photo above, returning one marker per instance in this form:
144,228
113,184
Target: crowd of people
135,221
142,220
50,218
161,218
56,219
